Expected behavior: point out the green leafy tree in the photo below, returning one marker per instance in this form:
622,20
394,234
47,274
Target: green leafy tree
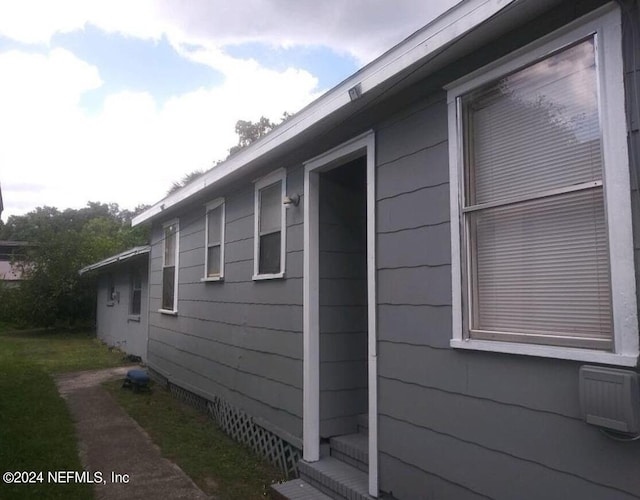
62,242
186,179
249,132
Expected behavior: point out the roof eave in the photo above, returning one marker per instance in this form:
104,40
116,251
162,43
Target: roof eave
116,259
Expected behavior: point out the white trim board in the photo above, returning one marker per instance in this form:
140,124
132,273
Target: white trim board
279,175
357,147
176,222
212,205
605,22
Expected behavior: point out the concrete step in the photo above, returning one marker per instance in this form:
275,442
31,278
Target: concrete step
363,423
352,449
297,489
335,478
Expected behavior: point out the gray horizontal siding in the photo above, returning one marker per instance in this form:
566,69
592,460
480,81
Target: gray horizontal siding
341,375
407,173
409,132
515,431
419,325
283,291
427,206
285,317
465,424
483,471
239,339
342,319
406,476
270,365
192,377
398,249
417,286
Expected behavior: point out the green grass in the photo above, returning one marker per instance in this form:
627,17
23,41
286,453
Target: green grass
216,463
36,431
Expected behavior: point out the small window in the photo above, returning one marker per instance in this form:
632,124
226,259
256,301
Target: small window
214,235
111,289
270,225
170,267
534,143
135,301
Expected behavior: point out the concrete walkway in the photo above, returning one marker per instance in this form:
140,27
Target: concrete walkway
111,442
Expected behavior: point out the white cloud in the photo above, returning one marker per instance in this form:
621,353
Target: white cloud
362,28
134,148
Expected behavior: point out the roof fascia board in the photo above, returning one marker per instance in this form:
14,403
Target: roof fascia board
428,40
121,257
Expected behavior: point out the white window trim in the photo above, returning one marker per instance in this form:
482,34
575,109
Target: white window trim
174,311
357,147
209,207
132,289
606,23
110,281
279,175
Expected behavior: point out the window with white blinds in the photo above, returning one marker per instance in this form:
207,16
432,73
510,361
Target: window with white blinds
214,234
169,301
541,233
537,251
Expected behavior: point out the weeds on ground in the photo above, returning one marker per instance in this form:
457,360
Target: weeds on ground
216,463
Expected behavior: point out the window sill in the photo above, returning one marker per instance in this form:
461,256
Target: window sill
544,351
134,318
213,278
168,312
111,304
260,277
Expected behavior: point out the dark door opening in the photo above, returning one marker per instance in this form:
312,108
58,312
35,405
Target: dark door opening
343,298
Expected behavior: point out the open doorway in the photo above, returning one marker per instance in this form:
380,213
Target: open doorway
343,297
339,315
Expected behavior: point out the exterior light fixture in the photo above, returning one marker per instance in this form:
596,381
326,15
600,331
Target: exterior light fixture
355,92
294,200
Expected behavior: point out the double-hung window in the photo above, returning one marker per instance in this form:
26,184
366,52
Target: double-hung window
170,267
111,290
135,300
214,235
541,225
270,226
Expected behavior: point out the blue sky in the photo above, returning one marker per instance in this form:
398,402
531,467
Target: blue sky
113,101
128,63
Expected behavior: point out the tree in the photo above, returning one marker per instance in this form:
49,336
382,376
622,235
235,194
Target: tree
62,242
249,132
186,179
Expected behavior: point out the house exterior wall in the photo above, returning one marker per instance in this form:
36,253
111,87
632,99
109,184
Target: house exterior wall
115,326
468,425
451,424
238,339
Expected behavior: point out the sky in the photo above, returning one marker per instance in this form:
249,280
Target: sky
113,100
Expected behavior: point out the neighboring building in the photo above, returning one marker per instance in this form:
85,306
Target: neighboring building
10,261
122,300
1,204
423,260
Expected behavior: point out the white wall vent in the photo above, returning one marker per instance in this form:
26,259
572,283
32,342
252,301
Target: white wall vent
610,398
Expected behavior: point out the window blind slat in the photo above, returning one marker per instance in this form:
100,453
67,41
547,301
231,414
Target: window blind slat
270,208
534,130
214,231
522,283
